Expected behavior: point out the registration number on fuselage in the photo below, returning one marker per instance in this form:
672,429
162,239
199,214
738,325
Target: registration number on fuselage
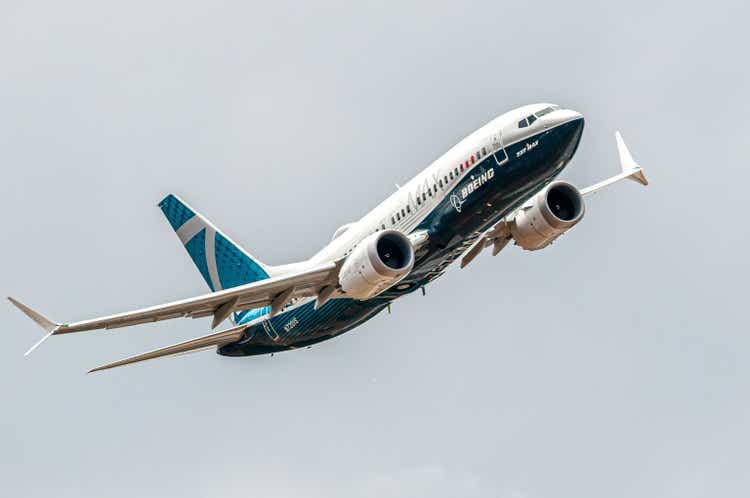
291,324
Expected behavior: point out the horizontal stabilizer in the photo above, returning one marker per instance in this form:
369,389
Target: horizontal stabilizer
191,346
48,325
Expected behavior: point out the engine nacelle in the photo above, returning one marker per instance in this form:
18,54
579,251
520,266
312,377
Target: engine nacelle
549,214
378,262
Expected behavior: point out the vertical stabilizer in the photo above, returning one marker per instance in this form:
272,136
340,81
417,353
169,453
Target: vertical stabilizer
221,261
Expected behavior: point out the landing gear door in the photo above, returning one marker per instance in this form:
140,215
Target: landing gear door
498,149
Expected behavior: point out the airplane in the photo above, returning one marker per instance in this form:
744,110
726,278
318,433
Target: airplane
497,185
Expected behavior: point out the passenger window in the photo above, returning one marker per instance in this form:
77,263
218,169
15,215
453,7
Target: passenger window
440,182
451,175
446,180
456,171
393,220
419,200
523,123
531,119
484,151
403,214
382,226
462,168
408,209
434,187
424,196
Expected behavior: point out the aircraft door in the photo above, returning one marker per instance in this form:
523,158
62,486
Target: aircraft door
498,148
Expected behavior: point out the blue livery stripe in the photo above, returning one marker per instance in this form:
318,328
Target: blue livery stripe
175,211
234,267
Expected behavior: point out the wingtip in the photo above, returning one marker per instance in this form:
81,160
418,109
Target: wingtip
40,341
40,319
48,325
639,177
627,163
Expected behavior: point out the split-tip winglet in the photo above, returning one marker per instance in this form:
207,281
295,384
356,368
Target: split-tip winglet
48,325
627,163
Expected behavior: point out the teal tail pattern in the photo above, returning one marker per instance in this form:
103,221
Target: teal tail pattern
221,262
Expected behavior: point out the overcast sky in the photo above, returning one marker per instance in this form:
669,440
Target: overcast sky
614,363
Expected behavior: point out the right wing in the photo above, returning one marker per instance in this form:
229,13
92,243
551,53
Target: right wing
631,170
499,235
274,292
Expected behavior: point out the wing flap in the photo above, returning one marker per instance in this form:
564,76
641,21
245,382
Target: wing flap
498,237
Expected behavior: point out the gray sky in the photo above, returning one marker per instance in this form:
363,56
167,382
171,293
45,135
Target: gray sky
611,364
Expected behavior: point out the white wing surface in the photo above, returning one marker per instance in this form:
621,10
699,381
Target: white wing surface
630,169
274,292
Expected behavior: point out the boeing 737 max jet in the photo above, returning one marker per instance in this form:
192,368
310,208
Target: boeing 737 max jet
495,186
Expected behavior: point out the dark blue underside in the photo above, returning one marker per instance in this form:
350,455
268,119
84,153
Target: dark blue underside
451,233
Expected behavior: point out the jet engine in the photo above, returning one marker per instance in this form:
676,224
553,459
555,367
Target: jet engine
548,214
378,262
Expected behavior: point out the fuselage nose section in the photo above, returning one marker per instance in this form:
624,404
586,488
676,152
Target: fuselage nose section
574,130
544,155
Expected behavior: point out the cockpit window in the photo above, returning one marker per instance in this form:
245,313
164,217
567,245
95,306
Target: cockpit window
547,110
528,121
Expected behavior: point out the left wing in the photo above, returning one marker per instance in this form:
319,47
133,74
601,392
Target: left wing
274,292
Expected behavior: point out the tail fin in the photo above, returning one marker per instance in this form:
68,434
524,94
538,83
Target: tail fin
219,259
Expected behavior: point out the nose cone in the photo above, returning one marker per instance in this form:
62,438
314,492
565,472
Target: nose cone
564,116
571,124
